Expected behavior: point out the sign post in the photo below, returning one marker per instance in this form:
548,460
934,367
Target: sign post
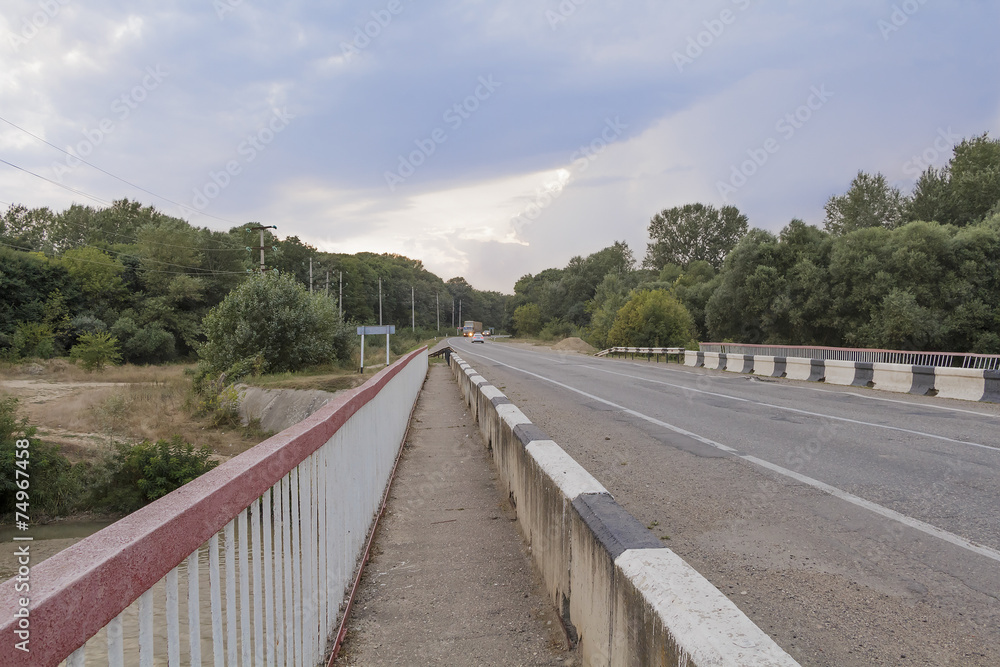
390,329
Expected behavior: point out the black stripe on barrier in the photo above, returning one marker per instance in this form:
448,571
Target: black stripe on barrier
923,380
616,529
747,363
864,374
992,386
500,400
700,360
722,362
528,433
780,367
817,370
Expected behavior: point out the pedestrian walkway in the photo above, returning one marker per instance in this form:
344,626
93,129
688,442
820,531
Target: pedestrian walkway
450,582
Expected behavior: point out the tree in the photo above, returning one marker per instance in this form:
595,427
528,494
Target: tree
931,199
870,202
652,318
975,179
683,234
97,274
271,323
96,351
741,308
694,288
528,319
608,299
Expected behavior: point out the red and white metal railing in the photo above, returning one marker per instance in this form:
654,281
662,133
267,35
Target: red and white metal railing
272,536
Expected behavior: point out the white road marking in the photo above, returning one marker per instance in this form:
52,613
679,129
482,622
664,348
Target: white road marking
893,515
796,410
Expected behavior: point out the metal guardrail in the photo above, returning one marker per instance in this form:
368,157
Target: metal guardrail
286,519
911,357
649,352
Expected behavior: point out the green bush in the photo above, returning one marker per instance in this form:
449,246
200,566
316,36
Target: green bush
150,344
96,350
273,318
56,486
557,329
33,339
136,475
528,319
652,318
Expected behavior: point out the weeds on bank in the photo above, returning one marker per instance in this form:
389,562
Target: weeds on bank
121,480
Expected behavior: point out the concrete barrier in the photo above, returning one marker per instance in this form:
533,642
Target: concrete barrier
841,372
802,368
739,363
766,366
713,360
903,378
967,384
992,390
626,598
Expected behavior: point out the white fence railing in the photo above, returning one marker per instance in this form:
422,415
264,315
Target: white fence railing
864,355
246,565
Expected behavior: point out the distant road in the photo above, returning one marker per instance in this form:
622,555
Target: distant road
855,527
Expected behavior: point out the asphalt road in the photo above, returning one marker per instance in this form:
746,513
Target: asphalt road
855,527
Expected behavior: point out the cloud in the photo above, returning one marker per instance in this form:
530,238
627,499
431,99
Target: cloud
506,193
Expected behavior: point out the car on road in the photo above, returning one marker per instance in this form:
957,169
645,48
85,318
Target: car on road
478,338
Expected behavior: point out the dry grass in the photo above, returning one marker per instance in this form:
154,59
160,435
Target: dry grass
64,370
85,412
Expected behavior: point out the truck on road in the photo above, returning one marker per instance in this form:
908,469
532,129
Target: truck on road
471,328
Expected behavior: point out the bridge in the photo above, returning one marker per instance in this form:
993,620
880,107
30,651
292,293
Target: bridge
270,542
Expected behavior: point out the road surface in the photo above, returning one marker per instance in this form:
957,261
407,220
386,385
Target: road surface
855,527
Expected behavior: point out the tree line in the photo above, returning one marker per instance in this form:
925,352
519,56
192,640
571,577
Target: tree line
149,279
918,270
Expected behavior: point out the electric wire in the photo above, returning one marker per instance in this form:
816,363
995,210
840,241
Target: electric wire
104,171
111,205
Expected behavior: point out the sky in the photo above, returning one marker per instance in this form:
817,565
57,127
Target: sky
489,139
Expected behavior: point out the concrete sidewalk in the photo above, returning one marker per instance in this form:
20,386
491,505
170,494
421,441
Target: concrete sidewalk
449,581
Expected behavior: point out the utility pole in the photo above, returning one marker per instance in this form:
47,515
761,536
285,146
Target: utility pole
261,229
437,300
413,312
340,307
460,321
453,313
327,284
380,302
310,275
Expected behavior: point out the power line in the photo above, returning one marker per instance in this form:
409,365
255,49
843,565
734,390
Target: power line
104,171
109,205
64,187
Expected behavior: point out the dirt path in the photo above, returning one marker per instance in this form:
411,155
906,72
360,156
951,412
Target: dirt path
450,582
